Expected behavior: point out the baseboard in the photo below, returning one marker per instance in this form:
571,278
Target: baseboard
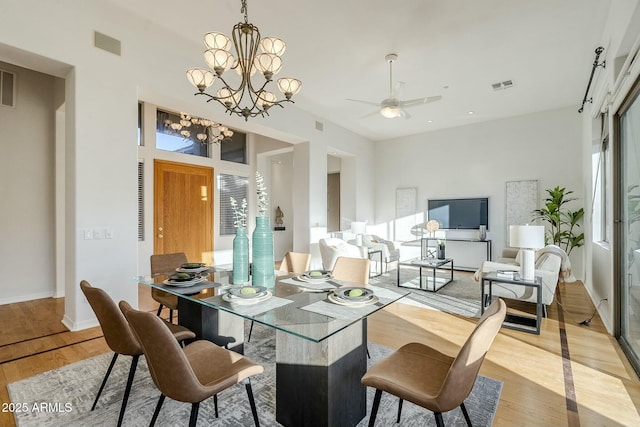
27,297
78,326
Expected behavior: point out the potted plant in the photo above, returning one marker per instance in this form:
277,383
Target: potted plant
563,222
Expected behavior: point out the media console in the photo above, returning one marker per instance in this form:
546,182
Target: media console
465,252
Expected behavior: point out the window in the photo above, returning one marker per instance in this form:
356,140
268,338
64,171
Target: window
139,124
230,186
170,139
140,201
600,166
234,149
7,89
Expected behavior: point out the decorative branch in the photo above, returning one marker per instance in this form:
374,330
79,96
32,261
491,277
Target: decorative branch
261,190
239,213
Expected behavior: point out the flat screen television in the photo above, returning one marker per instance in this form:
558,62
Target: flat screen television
462,214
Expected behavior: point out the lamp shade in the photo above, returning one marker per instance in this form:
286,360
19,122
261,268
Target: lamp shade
526,236
358,227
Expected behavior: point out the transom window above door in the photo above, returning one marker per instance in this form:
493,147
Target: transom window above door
178,140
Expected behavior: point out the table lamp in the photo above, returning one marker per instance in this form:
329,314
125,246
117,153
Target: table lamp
528,238
358,228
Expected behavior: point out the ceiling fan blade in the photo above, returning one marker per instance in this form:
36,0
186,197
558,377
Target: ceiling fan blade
404,114
420,101
364,102
373,113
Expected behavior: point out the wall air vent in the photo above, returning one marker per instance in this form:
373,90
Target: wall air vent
104,42
505,84
319,126
7,89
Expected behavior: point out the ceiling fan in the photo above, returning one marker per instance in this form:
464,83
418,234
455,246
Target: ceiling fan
393,107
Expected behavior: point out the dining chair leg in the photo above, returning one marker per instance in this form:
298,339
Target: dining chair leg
399,410
127,390
250,330
194,414
157,411
374,408
252,402
159,310
215,404
104,381
439,421
171,315
368,355
466,414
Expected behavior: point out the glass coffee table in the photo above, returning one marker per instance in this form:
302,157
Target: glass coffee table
441,273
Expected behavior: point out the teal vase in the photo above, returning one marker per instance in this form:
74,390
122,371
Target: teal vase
241,257
263,263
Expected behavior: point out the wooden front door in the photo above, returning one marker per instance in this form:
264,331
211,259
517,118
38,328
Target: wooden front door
183,210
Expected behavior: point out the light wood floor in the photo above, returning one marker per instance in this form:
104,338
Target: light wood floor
592,378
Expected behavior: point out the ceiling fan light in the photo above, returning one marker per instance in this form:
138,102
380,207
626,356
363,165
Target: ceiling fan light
273,45
200,78
390,112
289,86
218,60
215,40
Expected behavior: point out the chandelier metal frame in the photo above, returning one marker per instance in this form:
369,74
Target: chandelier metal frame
247,42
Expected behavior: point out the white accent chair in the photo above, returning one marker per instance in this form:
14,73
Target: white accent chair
390,250
331,248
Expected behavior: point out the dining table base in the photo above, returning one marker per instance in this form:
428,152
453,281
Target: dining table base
318,384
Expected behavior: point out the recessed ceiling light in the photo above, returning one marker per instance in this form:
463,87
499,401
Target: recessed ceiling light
429,121
471,113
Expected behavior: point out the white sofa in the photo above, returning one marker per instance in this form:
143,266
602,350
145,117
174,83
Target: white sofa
331,248
550,261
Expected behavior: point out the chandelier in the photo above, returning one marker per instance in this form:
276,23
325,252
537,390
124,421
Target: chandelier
206,131
248,98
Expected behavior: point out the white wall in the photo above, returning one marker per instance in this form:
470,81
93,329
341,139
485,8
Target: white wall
27,189
477,160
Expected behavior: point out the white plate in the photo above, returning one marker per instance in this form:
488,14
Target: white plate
236,291
184,283
326,275
192,270
340,301
243,301
343,294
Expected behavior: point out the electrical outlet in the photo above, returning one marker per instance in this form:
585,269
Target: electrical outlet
88,234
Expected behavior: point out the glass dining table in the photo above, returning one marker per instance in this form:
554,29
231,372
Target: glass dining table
321,342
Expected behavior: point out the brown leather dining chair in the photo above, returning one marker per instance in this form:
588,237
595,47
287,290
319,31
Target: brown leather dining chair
119,336
190,374
165,264
349,269
428,378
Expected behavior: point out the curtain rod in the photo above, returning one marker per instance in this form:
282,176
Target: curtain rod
596,64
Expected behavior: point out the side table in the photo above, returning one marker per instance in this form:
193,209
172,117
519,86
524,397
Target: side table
437,282
517,322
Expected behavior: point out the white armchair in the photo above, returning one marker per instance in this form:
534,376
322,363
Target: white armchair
331,248
390,250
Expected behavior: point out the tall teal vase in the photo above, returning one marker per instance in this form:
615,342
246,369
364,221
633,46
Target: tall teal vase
263,263
241,257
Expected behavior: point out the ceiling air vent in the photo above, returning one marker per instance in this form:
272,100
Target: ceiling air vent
104,42
7,89
506,84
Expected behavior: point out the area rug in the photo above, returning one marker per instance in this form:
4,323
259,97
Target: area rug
461,296
63,396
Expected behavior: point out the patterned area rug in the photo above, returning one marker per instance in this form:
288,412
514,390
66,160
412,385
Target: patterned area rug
461,296
63,397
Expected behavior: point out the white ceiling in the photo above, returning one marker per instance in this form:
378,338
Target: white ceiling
453,48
